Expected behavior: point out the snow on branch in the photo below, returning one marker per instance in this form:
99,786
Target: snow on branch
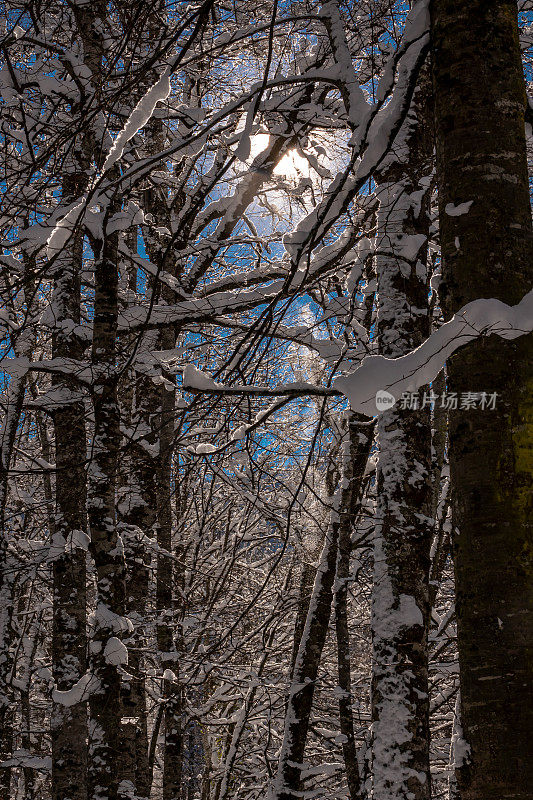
373,137
138,118
23,758
64,228
194,380
353,96
396,375
87,685
115,652
421,366
105,619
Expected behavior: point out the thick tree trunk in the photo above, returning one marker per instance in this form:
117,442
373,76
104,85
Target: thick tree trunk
311,549
168,577
456,756
400,613
487,252
8,565
167,629
305,589
138,396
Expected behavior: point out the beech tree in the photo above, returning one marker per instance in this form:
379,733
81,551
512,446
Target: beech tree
250,542
481,146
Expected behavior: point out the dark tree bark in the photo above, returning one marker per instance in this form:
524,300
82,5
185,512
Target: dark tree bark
487,252
7,583
305,589
106,547
69,724
401,610
168,578
137,516
167,629
342,632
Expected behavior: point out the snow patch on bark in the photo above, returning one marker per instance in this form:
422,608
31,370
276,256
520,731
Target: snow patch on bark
105,618
64,229
395,712
87,685
457,211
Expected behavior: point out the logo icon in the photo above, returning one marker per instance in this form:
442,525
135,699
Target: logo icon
384,400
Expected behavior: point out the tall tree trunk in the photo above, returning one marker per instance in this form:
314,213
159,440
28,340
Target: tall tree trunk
137,515
167,633
106,649
136,512
400,613
456,755
69,723
311,549
23,347
305,590
354,455
15,398
168,578
487,252
342,632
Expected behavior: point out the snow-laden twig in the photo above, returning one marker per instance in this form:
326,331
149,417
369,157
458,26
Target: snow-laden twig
138,118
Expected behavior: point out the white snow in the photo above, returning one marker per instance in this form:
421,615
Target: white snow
77,539
126,789
138,118
418,368
22,758
238,434
115,652
203,449
194,378
354,98
409,612
63,229
105,618
460,749
457,211
88,684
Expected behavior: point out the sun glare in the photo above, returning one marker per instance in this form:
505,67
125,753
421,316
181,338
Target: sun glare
291,166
